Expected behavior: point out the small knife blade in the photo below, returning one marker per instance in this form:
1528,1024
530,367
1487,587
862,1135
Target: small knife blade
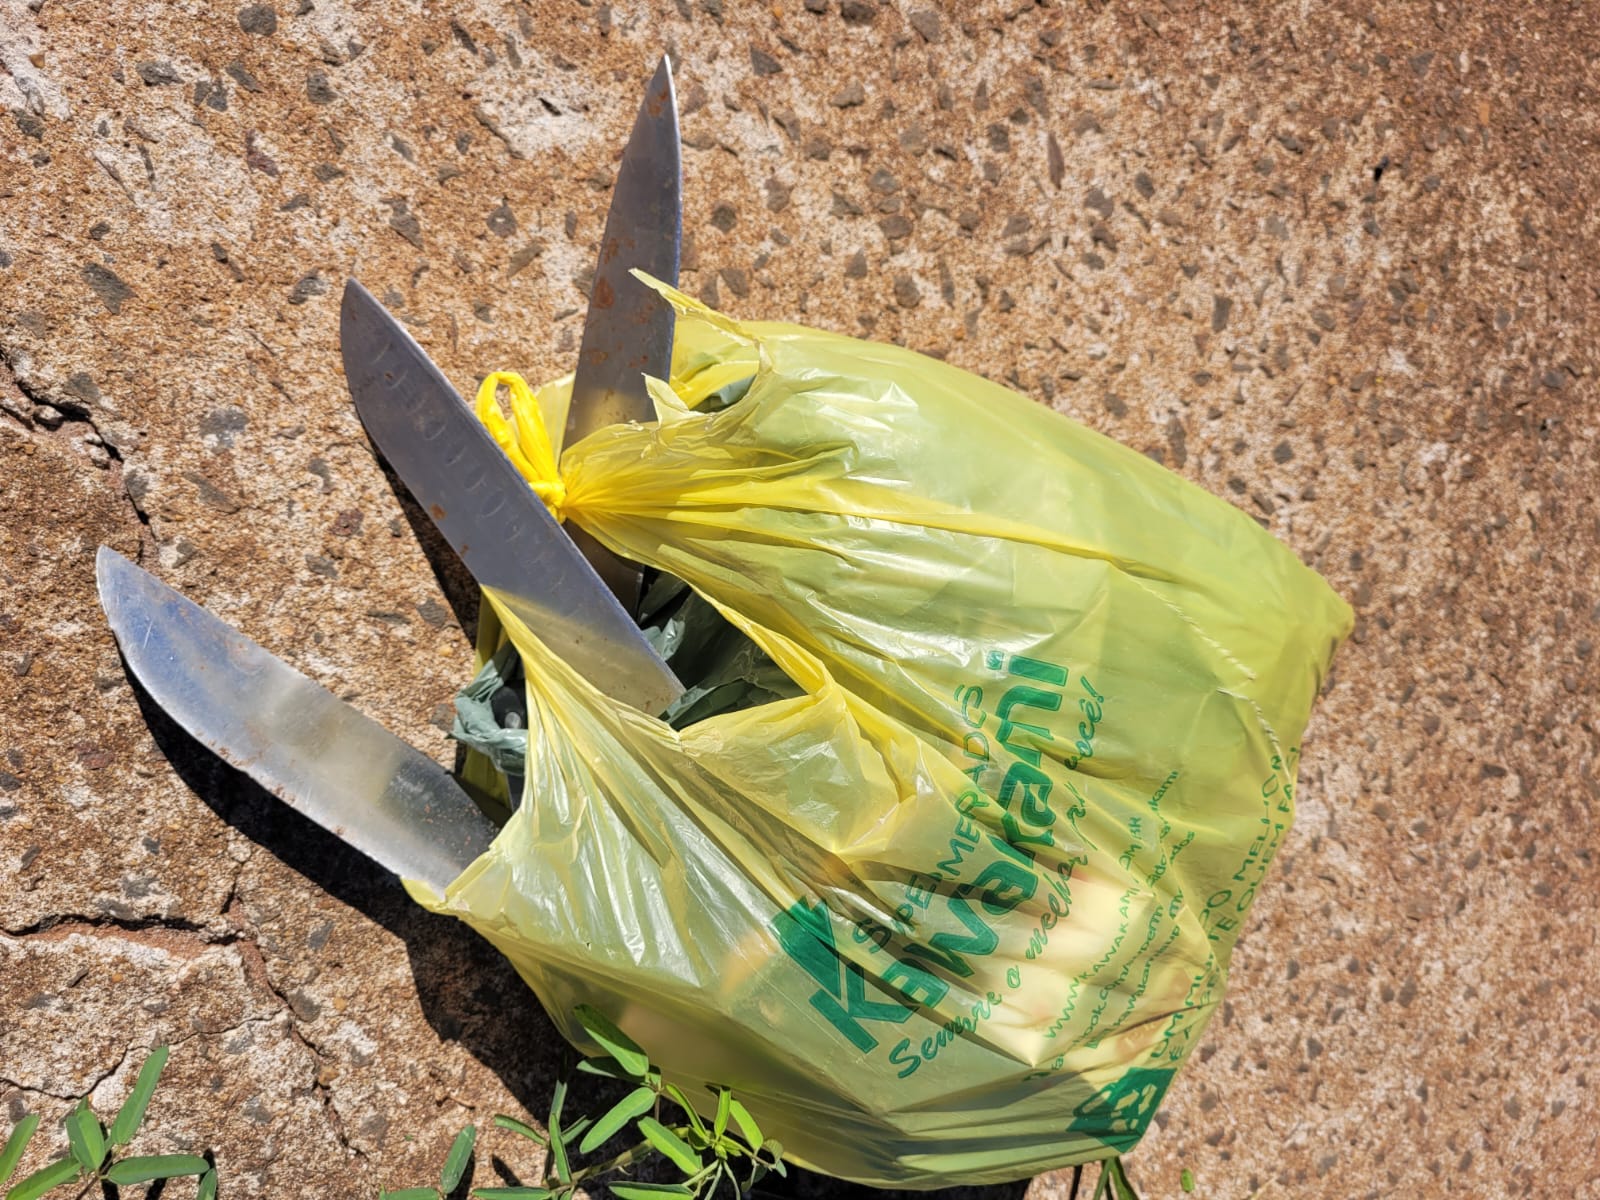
486,511
299,741
627,333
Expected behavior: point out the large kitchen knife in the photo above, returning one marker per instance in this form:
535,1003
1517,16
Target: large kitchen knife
486,511
627,333
305,745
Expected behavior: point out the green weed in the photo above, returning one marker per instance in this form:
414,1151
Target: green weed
729,1150
94,1152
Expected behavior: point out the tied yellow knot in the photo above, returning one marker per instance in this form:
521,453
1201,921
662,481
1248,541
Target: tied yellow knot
523,437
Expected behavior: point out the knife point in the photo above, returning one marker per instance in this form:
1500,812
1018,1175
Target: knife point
114,573
661,96
359,303
105,565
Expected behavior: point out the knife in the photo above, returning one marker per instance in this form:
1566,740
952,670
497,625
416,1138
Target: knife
485,510
627,333
305,745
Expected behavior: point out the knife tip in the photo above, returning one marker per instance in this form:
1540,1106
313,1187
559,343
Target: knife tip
356,306
106,564
355,296
115,578
661,96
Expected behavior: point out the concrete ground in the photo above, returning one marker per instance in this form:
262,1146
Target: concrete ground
1332,262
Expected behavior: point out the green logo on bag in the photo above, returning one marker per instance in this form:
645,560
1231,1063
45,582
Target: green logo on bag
1119,1113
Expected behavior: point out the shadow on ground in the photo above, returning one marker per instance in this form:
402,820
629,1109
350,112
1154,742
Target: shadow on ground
460,589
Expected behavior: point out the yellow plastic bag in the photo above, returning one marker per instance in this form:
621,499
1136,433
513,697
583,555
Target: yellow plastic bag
958,912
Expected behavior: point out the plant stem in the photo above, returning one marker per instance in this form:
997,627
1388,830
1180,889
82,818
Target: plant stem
626,1159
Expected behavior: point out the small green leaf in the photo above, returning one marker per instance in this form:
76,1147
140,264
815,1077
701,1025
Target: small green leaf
572,1132
746,1123
86,1137
604,1066
144,1167
649,1191
724,1110
131,1114
1121,1189
515,1126
558,1155
208,1186
619,1045
775,1148
670,1144
635,1103
1186,1179
427,1193
682,1101
558,1145
11,1155
558,1100
45,1178
455,1163
513,1193
699,1139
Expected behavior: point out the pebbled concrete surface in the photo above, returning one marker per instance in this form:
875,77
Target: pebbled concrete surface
1333,262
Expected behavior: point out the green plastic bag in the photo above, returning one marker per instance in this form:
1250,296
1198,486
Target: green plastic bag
957,911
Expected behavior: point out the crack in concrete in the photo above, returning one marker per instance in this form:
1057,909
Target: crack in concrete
105,1075
74,413
28,1090
256,969
319,1087
71,411
72,1097
60,925
226,906
253,964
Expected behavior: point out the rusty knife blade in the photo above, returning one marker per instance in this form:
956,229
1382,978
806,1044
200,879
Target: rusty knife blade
627,333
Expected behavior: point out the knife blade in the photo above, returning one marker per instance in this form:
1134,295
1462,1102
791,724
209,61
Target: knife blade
627,332
484,508
299,741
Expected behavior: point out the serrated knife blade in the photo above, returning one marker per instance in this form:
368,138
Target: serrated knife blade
486,511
